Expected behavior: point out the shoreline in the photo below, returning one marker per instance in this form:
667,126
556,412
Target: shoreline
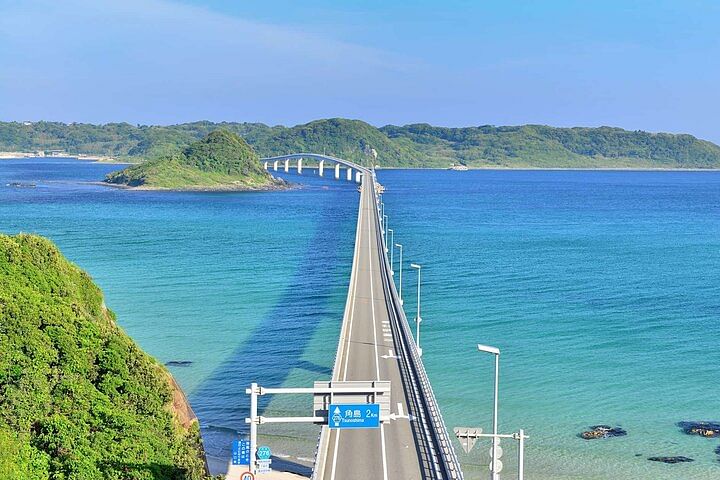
203,189
108,159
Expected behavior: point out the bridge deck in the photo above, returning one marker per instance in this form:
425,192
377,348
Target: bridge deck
389,452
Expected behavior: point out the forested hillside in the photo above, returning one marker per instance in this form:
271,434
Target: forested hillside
78,398
418,145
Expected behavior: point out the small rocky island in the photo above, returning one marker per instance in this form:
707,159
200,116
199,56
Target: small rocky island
222,161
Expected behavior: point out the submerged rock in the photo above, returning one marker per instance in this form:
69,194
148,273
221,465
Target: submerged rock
717,450
678,459
178,363
704,429
602,431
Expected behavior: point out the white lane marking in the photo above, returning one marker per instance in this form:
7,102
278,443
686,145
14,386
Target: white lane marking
334,462
372,307
382,442
401,412
377,360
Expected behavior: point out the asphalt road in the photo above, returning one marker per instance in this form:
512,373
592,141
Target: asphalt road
388,452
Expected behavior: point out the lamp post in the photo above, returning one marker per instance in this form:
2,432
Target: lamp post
401,263
392,250
495,351
382,211
418,319
385,221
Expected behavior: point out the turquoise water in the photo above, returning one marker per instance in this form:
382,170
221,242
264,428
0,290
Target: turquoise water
601,289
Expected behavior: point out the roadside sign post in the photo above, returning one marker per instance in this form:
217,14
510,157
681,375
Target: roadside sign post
468,437
357,404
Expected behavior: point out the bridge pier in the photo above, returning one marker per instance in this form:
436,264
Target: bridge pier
321,167
266,165
349,174
287,165
299,166
358,177
337,171
275,165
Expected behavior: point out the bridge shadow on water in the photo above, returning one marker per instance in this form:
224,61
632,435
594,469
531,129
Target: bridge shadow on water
277,343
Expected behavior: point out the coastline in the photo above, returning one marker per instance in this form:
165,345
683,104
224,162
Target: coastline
206,189
107,159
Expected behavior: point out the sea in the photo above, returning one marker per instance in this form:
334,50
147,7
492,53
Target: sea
601,289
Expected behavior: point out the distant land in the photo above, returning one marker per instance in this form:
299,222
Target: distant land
417,145
79,399
220,161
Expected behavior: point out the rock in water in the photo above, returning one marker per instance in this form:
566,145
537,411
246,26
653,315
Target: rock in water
704,429
678,459
178,363
603,431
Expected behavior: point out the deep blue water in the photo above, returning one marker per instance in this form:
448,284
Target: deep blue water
601,288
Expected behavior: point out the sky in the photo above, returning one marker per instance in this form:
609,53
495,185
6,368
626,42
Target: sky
640,65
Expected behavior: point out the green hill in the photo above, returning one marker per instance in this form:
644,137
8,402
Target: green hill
78,398
220,161
418,145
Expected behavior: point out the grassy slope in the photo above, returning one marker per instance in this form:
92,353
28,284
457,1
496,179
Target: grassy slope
406,146
222,160
78,398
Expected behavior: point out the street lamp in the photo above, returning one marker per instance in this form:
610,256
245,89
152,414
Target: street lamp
401,263
418,319
392,250
385,220
495,351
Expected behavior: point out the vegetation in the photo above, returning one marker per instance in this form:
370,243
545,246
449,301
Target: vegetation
220,161
418,145
78,399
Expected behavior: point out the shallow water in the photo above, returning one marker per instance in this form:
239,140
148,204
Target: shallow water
601,289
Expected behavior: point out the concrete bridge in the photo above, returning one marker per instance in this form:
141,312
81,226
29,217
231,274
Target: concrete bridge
376,345
352,170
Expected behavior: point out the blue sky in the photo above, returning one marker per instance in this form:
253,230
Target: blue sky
650,65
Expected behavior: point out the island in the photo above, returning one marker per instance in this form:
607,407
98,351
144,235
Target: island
222,161
78,397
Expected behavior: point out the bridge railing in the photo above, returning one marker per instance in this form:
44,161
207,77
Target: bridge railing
447,463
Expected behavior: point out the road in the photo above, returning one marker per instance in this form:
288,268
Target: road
367,351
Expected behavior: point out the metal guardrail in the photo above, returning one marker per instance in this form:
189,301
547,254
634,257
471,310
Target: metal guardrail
443,453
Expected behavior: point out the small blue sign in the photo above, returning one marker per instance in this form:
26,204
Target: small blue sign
263,453
241,452
355,415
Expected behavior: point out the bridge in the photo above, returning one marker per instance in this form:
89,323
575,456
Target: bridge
376,345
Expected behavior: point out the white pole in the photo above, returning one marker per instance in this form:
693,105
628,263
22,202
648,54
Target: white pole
401,265
521,456
419,317
392,250
385,220
494,473
253,425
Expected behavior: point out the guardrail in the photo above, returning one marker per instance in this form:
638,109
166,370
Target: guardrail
437,445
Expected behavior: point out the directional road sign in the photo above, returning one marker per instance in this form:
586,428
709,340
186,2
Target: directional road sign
354,415
241,452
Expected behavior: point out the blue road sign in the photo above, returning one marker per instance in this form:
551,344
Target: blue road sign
354,415
241,452
263,453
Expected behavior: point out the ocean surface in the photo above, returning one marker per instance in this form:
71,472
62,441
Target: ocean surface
602,290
